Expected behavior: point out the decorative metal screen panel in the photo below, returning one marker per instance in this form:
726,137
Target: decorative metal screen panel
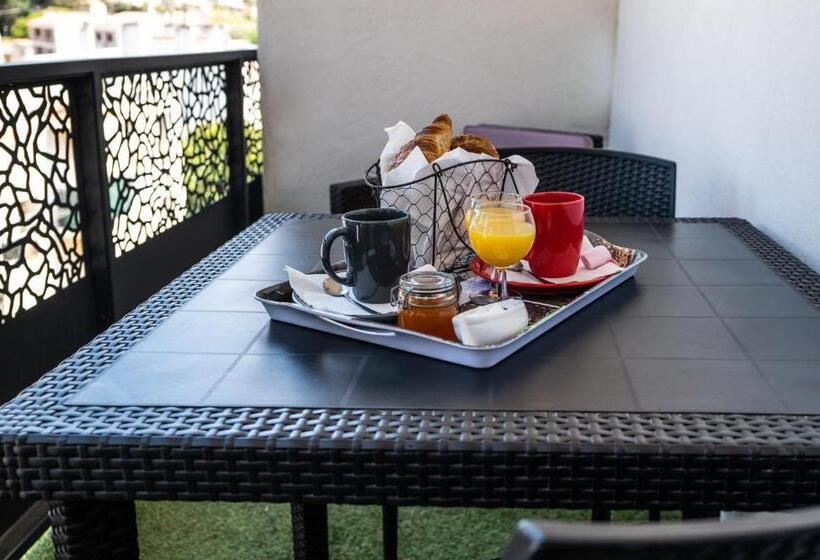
253,120
40,239
166,148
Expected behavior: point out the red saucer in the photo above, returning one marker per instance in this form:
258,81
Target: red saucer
482,269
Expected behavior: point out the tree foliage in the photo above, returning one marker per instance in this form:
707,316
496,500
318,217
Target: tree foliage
208,143
15,14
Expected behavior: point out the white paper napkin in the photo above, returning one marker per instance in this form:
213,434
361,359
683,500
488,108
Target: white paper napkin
582,274
416,165
309,288
418,199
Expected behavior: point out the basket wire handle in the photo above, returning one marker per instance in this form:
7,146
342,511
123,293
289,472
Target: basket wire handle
508,172
437,184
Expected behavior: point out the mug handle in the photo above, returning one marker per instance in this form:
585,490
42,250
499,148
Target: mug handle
327,243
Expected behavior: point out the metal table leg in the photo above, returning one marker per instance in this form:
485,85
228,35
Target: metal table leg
390,532
600,514
90,529
309,525
699,513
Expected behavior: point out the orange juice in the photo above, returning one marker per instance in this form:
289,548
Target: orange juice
492,211
498,198
501,237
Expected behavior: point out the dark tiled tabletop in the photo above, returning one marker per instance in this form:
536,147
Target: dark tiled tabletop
704,327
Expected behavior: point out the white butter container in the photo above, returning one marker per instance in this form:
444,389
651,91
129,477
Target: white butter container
491,324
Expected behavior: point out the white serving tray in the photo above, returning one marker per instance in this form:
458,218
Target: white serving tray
398,338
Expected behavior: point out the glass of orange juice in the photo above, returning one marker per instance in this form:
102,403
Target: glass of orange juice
474,201
501,233
477,199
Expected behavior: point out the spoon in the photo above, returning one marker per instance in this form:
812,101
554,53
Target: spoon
333,288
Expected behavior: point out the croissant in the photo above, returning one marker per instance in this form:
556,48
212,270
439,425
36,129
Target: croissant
475,144
433,140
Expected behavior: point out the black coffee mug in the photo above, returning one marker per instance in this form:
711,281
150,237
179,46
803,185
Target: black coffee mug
377,251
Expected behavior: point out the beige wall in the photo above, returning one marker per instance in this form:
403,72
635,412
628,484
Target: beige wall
730,90
335,73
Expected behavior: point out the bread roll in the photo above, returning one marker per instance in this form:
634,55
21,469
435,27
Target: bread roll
433,140
475,144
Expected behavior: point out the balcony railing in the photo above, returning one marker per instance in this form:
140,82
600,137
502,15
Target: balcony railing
115,176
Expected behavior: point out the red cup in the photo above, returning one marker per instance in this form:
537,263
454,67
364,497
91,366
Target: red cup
559,231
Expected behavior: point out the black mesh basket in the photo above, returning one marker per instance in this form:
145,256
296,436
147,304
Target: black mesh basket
436,204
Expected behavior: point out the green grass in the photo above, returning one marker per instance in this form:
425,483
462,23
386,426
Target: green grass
218,531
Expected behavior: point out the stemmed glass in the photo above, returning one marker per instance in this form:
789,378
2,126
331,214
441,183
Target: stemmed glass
477,199
501,234
474,201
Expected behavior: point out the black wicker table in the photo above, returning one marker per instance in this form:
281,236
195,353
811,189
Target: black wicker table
699,394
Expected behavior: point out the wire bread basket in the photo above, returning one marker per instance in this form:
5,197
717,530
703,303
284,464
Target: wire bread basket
437,202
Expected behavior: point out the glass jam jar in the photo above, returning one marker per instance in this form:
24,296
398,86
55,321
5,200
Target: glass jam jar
427,303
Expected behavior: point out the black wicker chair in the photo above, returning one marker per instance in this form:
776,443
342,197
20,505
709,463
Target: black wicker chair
351,195
502,135
613,183
793,535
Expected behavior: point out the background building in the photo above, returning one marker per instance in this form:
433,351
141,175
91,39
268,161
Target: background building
119,29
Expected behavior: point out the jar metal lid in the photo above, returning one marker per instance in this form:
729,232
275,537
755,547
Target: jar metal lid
427,282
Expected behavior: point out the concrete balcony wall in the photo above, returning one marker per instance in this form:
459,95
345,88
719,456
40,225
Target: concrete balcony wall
730,90
334,74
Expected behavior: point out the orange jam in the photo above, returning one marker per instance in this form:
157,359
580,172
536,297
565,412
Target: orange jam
427,303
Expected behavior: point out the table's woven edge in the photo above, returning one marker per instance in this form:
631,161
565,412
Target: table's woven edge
38,417
797,273
692,434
